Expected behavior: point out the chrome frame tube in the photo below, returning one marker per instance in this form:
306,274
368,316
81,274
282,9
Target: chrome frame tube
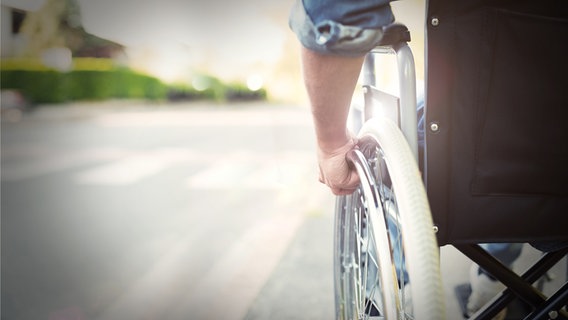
407,85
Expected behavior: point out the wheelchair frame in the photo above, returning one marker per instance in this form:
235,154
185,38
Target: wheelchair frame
403,113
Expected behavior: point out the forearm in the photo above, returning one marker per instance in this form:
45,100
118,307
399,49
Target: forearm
330,82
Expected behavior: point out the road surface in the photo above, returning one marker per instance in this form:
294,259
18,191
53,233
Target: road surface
184,211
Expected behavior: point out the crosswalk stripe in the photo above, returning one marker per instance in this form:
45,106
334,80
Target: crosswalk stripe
135,167
268,176
124,167
40,164
220,175
123,172
247,175
222,118
275,175
232,284
234,279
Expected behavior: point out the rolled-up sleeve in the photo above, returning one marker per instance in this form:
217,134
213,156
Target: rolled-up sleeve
341,27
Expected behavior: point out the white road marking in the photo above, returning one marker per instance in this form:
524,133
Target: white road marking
124,167
192,118
249,174
123,172
228,290
50,162
220,175
134,168
233,281
275,175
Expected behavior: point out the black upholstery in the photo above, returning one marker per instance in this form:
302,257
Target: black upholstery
497,167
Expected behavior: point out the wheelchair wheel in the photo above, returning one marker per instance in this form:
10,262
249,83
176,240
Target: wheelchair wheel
386,255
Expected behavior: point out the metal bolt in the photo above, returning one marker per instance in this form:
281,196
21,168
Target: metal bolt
553,314
435,21
435,228
434,127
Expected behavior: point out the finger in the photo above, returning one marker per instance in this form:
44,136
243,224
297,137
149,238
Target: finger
343,191
320,176
355,141
352,181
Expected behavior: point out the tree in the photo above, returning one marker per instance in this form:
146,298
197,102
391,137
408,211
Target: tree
56,24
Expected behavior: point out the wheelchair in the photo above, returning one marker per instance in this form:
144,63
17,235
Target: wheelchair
493,168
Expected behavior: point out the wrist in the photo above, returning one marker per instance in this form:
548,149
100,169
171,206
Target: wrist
338,145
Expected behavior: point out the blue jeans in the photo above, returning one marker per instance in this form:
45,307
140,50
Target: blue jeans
340,27
506,253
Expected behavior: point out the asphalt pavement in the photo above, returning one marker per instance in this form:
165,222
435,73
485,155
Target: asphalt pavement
130,210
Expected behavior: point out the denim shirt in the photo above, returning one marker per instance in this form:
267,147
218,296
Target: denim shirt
341,27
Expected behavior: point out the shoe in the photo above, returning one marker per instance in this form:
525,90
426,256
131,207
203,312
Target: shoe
483,289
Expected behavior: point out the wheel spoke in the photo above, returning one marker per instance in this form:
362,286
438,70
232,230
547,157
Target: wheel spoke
373,220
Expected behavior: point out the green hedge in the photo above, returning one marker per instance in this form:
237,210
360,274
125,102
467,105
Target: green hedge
186,93
48,86
240,92
100,79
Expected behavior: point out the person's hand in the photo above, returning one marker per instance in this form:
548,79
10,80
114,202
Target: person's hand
335,172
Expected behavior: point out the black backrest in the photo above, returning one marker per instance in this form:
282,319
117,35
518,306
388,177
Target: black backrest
497,120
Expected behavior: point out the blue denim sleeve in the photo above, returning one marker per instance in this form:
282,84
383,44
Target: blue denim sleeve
341,27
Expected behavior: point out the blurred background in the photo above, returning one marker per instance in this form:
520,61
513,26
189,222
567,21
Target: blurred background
216,49
194,49
157,162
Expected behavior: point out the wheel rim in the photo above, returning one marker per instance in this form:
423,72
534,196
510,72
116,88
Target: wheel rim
371,227
393,198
